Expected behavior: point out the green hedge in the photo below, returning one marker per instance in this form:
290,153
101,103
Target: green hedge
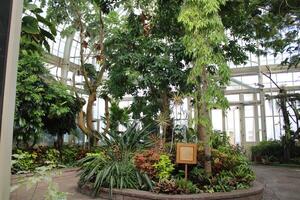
267,151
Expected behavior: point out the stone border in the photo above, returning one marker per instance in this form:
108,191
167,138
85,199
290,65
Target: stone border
253,193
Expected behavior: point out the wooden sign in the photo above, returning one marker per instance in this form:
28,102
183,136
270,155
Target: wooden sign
186,153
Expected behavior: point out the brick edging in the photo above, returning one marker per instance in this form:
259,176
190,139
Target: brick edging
253,193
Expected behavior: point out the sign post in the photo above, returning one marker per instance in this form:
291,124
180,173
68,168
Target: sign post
186,153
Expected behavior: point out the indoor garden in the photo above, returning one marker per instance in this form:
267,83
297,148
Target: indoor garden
166,99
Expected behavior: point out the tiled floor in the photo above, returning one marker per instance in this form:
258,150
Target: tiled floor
281,184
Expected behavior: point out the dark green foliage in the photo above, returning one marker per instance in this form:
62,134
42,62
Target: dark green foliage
273,24
61,109
102,171
147,64
41,102
114,167
184,134
230,170
29,99
118,116
219,139
70,155
132,140
267,151
187,186
36,30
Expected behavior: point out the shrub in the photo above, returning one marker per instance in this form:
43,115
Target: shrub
23,161
51,157
219,160
114,167
26,161
69,155
219,139
267,151
230,170
167,186
187,186
164,167
105,172
47,156
145,160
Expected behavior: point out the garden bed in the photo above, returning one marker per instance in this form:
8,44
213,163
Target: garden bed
253,193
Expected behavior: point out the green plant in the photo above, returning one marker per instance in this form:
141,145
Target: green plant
167,186
51,157
114,168
230,170
69,154
187,186
23,162
164,167
219,139
267,151
198,176
103,171
134,139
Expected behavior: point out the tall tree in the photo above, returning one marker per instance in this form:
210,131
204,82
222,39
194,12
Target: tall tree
147,57
204,37
86,17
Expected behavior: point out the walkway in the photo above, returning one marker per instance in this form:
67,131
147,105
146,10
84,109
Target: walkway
281,184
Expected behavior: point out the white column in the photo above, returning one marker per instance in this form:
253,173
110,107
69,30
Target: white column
242,121
223,120
262,99
256,118
9,99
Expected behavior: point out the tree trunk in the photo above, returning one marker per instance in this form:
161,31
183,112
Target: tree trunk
60,142
89,111
85,123
167,130
203,128
286,140
81,123
90,118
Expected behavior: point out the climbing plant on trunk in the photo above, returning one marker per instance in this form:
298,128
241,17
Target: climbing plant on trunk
204,35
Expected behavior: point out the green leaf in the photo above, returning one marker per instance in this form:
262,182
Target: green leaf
47,34
30,25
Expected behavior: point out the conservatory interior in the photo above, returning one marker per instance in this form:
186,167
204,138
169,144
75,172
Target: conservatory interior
149,99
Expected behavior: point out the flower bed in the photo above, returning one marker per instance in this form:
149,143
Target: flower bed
127,163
